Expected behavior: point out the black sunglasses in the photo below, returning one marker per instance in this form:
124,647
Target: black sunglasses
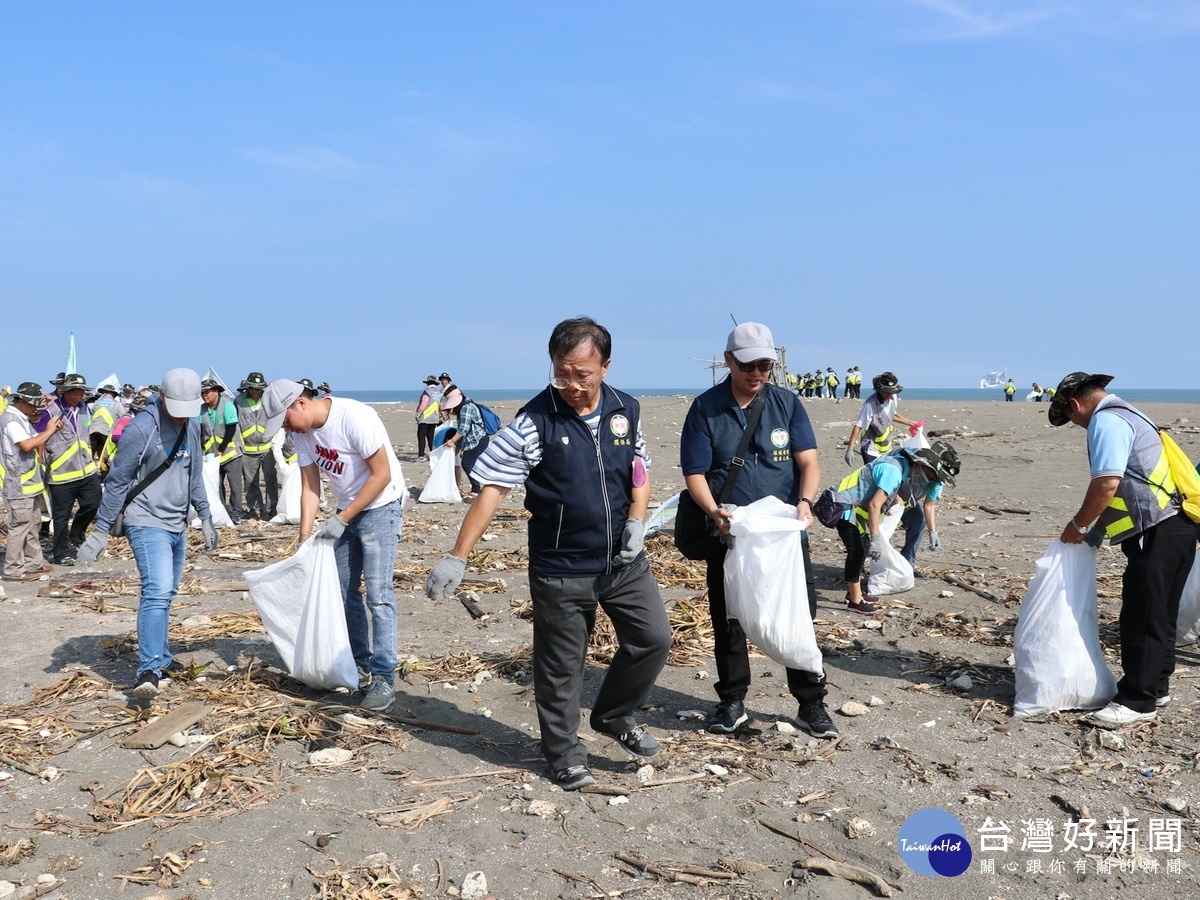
763,366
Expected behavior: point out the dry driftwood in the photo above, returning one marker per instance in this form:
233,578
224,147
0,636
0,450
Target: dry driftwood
967,586
850,873
157,733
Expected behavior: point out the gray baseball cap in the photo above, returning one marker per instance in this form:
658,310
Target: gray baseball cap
181,393
276,399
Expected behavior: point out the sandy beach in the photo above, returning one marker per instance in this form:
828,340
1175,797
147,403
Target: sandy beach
465,789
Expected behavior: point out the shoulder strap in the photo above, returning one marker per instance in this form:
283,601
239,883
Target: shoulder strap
153,476
739,458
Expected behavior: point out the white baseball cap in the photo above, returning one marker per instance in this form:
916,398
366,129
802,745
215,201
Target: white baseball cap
751,341
181,393
279,395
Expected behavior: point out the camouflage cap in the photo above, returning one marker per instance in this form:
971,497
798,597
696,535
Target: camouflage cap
255,381
1067,388
30,392
942,458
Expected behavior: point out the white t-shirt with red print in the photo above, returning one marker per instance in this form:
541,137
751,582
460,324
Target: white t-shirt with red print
340,448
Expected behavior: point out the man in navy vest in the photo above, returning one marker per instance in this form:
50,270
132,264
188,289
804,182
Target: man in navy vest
578,449
780,461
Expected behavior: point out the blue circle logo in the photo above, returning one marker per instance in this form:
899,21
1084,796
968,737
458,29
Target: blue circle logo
933,842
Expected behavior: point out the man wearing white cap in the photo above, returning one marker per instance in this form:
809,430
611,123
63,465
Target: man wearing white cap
156,476
780,460
347,441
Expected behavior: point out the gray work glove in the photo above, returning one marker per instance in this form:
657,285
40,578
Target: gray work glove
851,457
93,548
331,529
210,534
445,578
935,542
1095,537
875,550
632,541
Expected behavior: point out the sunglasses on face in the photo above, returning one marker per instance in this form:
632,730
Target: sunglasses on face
764,366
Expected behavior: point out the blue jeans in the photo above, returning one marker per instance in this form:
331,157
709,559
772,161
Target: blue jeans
159,554
367,549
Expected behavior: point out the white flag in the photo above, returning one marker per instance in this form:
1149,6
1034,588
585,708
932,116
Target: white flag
994,379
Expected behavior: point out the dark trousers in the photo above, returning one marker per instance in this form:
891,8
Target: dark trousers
564,612
87,493
260,500
856,551
729,640
425,432
468,461
231,487
913,521
1008,398
1158,562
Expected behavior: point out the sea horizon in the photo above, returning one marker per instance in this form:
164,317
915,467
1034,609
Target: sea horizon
965,394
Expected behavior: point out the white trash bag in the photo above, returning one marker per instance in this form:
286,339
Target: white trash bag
916,441
441,486
1187,631
300,603
1060,664
663,517
212,490
765,588
891,573
287,511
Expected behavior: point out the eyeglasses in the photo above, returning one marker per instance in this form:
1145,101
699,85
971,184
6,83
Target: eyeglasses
561,384
763,366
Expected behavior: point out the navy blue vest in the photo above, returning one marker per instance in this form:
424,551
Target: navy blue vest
770,468
579,493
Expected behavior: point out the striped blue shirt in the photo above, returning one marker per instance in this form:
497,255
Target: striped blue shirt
516,449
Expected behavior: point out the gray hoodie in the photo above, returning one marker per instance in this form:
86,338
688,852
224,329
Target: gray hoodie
144,445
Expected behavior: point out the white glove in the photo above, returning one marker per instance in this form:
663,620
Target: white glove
445,578
876,548
935,542
92,548
632,541
331,529
850,457
210,534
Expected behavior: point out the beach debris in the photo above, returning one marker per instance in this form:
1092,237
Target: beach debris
875,701
859,827
853,708
675,871
163,729
945,593
691,714
414,812
1175,804
849,873
619,800
474,886
377,882
543,809
163,870
962,683
714,769
785,727
330,756
645,774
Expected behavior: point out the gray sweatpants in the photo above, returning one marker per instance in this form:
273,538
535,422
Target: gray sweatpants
261,500
564,612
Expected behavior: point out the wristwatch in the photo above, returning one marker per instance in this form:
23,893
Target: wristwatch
1082,529
804,500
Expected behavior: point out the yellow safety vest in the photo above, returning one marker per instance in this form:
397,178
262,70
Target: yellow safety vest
210,436
252,420
1147,492
69,451
24,465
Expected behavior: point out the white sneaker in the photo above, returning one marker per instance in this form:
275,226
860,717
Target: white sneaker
1115,715
1163,701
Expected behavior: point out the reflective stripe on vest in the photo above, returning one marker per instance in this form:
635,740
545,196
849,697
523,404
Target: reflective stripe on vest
68,449
1146,493
252,420
211,439
883,443
20,470
102,420
857,488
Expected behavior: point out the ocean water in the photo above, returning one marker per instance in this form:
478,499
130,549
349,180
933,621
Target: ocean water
1133,395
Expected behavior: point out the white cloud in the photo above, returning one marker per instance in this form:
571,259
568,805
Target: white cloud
307,160
984,19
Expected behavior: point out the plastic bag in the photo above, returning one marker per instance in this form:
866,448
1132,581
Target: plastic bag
765,588
916,441
1187,631
1057,642
663,517
212,490
441,486
300,603
891,573
287,511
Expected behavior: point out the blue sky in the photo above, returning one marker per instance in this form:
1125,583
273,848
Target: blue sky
369,192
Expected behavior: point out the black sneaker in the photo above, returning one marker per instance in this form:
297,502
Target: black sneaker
814,718
146,686
639,742
364,679
727,717
573,778
65,559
